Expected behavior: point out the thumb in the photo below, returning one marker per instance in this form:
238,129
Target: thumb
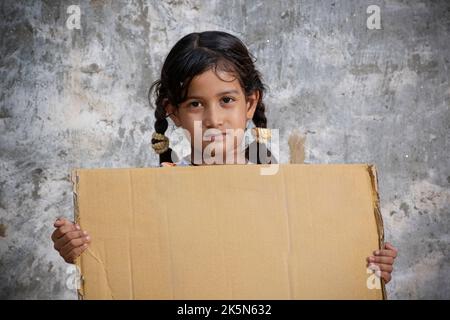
60,222
389,246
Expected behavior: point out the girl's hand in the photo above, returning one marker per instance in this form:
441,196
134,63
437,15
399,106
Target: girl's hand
383,260
69,240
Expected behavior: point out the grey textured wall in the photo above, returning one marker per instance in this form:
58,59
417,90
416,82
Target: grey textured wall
77,98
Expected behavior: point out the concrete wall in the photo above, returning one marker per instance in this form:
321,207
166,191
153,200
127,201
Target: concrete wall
77,98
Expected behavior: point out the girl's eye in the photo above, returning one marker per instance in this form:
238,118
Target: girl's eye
194,104
227,99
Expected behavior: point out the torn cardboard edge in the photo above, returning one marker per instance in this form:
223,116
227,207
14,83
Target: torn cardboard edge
379,218
75,180
371,169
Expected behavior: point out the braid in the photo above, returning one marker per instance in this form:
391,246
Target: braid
263,154
259,117
161,123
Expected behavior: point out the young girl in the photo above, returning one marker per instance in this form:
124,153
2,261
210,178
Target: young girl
208,86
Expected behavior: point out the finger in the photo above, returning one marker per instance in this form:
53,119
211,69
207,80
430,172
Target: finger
386,260
59,222
61,231
386,276
61,242
389,246
72,244
386,253
381,266
75,253
54,238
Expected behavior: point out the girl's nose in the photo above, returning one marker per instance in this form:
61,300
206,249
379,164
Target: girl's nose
213,117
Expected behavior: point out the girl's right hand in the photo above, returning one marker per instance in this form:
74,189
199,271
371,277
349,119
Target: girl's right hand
69,240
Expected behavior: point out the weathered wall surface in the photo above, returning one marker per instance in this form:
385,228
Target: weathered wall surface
78,98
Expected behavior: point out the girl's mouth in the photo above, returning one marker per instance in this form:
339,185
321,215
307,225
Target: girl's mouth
216,137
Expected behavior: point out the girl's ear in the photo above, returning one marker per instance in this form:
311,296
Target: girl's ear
172,111
252,103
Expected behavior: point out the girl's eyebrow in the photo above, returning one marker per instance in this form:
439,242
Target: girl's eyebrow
217,95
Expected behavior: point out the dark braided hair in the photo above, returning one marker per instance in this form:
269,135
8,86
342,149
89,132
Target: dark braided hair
194,54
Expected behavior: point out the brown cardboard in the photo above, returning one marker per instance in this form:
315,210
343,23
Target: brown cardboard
227,232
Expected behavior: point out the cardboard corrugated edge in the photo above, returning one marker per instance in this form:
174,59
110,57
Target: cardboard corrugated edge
75,180
378,217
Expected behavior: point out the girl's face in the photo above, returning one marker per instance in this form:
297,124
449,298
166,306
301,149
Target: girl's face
218,102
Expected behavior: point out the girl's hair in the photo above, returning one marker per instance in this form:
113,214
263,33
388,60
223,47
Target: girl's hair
194,54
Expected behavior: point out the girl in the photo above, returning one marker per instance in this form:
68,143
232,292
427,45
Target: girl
208,86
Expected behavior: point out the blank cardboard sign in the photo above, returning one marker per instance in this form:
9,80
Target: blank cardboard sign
229,232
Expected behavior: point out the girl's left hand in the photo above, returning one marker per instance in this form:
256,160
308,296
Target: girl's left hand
383,261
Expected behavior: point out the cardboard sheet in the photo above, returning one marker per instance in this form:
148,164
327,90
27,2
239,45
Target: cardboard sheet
228,232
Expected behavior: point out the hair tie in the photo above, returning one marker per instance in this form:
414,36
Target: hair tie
262,135
162,143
